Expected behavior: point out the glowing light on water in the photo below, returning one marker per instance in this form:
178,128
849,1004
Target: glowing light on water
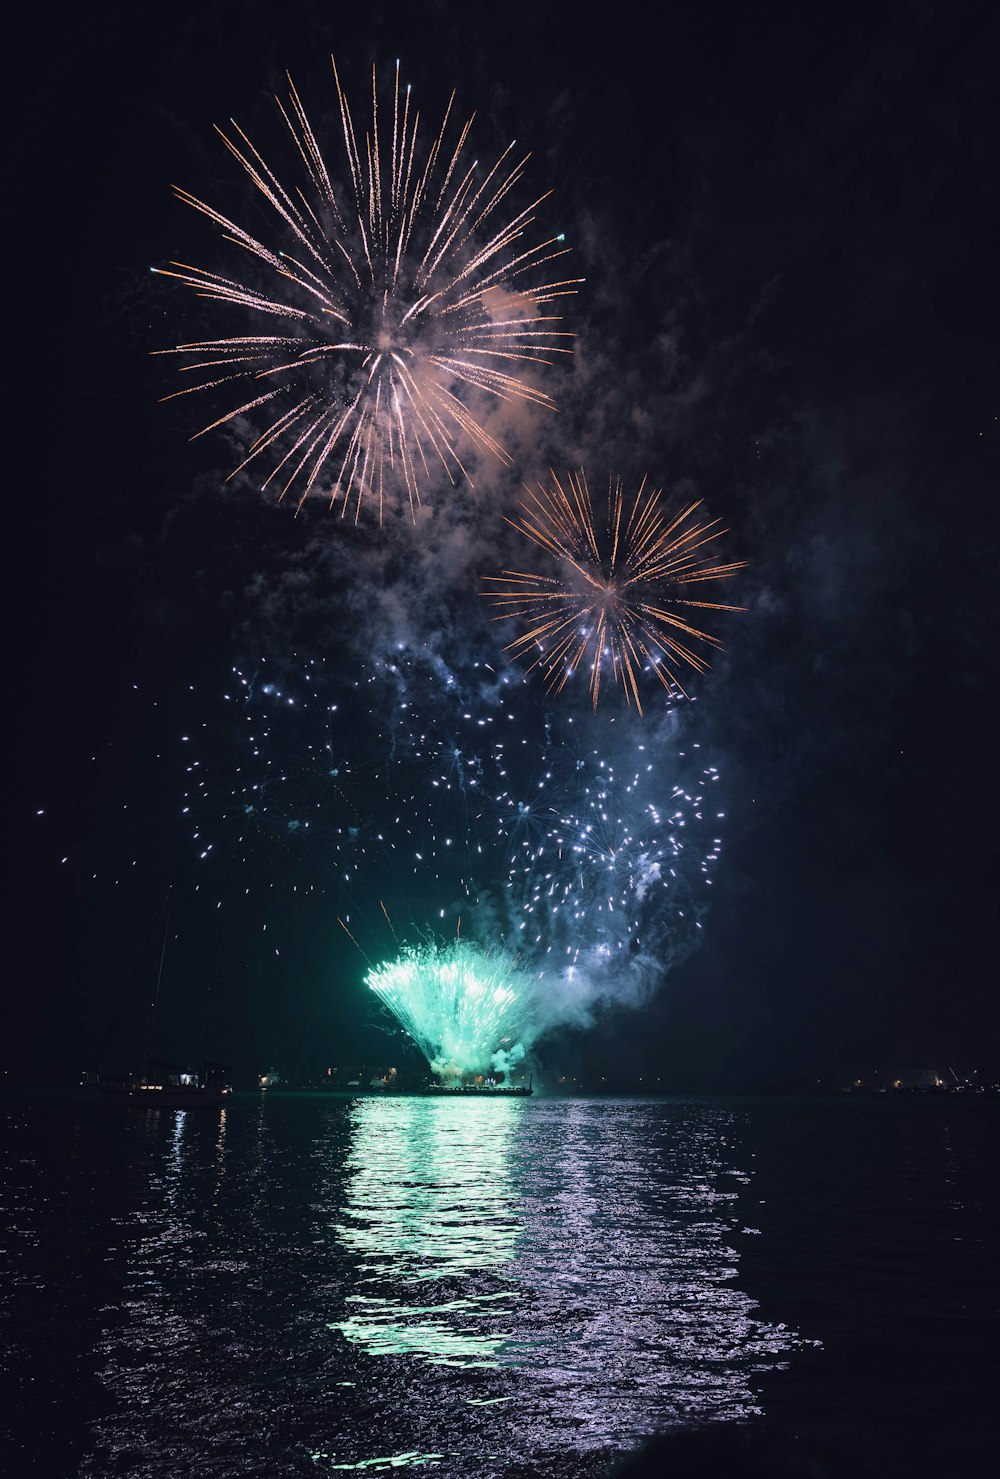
615,599
409,1159
512,1239
377,312
462,1005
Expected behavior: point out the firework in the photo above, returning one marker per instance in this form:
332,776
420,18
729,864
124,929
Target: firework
380,310
619,597
284,769
558,833
619,854
462,1005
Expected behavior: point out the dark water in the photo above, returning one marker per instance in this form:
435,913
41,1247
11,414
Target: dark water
307,1286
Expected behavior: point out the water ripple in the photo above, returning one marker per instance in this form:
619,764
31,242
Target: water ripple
313,1285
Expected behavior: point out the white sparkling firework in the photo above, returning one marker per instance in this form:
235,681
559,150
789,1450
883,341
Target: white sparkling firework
582,845
381,312
602,854
283,771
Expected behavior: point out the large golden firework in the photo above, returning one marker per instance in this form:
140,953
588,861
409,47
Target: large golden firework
380,311
616,601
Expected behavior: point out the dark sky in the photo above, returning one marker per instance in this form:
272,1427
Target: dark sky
787,222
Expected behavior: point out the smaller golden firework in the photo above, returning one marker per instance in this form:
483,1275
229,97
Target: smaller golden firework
617,600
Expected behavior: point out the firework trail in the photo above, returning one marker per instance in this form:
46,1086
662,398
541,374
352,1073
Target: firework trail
618,595
378,310
464,1007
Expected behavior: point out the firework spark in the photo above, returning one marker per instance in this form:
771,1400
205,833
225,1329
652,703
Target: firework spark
613,849
618,597
281,767
379,311
462,1005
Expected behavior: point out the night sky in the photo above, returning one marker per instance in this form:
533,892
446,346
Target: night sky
786,219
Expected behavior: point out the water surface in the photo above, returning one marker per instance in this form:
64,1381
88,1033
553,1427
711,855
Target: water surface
311,1285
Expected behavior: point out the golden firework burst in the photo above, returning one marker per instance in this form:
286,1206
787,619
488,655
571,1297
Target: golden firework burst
617,599
379,312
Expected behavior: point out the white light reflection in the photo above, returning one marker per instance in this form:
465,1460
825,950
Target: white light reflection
579,1255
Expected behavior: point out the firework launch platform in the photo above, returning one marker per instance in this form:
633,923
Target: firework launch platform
480,1091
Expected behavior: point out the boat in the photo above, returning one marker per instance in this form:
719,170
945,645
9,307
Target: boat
480,1091
169,1086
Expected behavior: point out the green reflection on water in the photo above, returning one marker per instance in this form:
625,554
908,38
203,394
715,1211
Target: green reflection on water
389,1461
429,1198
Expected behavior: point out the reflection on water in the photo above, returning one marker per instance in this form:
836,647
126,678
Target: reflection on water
430,1192
298,1286
578,1251
629,1269
430,1198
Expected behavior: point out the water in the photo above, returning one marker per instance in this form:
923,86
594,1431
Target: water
318,1285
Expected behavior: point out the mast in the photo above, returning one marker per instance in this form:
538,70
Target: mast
159,975
127,989
211,995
